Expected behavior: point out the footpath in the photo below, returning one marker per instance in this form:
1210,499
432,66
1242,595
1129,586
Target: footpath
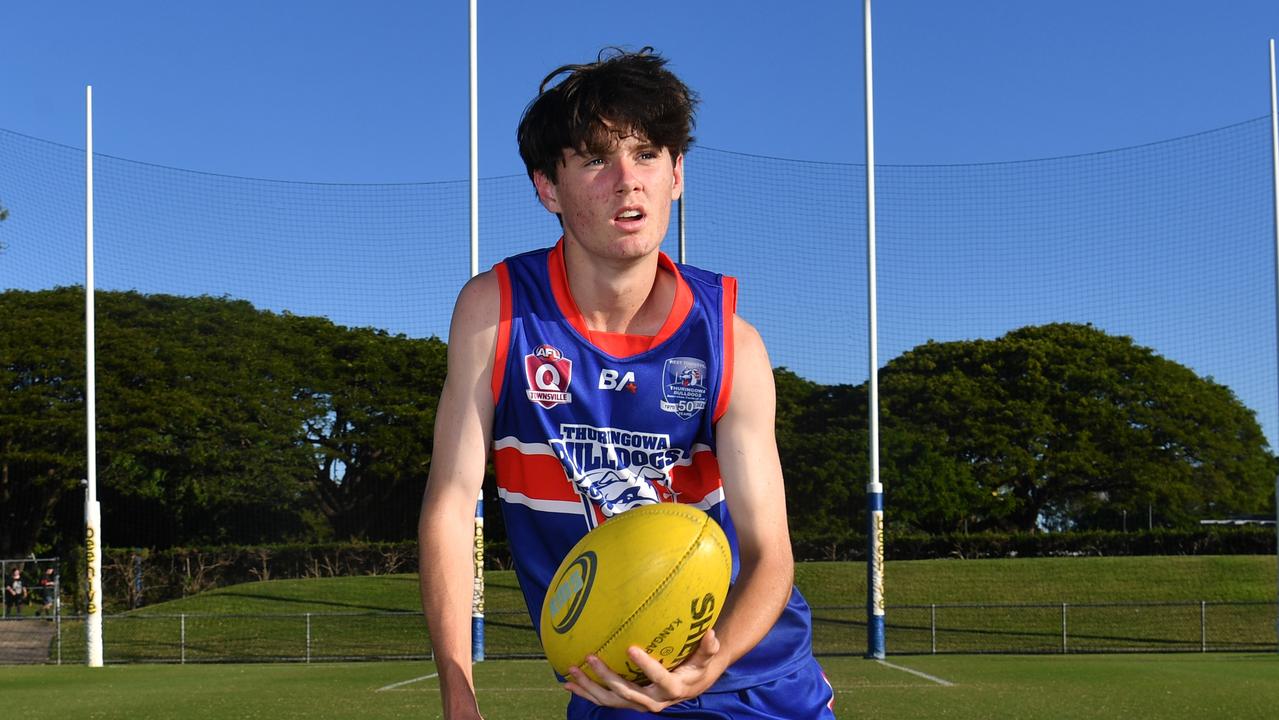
25,640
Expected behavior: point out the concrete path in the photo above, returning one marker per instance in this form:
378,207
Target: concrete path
25,640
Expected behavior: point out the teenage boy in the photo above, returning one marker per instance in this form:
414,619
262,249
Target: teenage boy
601,376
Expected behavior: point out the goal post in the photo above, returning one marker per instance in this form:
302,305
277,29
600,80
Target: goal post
874,490
92,510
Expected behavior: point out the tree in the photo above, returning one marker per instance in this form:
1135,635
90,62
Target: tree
1059,424
925,488
821,438
375,396
199,427
217,422
41,410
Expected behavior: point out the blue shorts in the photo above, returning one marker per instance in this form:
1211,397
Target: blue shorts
803,695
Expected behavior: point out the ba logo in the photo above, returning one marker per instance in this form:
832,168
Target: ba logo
571,591
548,373
616,380
684,386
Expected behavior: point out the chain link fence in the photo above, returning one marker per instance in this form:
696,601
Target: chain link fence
1193,626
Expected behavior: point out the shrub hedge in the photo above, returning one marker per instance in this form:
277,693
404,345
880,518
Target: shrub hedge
1216,540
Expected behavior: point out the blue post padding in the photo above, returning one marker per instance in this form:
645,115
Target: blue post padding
874,552
477,639
875,502
875,637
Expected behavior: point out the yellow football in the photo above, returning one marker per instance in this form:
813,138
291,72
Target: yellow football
655,577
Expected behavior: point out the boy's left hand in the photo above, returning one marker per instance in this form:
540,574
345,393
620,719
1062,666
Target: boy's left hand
690,679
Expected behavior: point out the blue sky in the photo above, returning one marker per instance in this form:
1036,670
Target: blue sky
376,91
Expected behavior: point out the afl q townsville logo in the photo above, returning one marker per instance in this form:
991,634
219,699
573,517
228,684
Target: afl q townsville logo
548,373
571,591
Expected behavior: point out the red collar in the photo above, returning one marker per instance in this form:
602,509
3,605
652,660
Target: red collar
618,344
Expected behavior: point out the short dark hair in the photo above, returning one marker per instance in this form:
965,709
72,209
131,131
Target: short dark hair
620,94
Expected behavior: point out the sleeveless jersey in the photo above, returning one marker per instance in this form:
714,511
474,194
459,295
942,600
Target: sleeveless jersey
581,434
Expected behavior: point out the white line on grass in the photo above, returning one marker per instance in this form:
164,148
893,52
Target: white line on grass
392,686
917,673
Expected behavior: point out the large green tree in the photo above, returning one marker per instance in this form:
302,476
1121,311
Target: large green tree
1062,425
199,427
217,422
222,423
41,411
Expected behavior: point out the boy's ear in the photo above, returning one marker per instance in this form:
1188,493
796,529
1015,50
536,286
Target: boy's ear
677,189
546,192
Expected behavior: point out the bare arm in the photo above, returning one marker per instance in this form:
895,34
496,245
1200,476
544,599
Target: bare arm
746,445
746,448
463,435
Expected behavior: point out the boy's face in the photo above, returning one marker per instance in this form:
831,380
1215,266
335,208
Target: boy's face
615,204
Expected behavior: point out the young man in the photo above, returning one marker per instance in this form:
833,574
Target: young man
48,591
602,377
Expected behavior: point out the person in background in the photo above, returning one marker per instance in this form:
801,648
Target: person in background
15,593
48,586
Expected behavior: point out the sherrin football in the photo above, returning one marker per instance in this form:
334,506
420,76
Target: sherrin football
655,576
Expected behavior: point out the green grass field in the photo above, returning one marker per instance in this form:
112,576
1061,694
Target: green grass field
1051,580
266,620
1007,686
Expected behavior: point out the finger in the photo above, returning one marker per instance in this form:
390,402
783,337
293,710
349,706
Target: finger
585,687
663,687
707,648
577,690
626,693
611,690
608,678
647,664
690,677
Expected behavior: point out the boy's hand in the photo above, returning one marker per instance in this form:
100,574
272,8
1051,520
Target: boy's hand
692,678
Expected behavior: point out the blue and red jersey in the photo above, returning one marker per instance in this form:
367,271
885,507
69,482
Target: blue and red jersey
588,425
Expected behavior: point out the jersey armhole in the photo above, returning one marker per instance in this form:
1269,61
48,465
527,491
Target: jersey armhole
728,317
503,343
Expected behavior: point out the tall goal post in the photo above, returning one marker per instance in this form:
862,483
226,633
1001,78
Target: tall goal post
92,510
1274,151
477,595
874,489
